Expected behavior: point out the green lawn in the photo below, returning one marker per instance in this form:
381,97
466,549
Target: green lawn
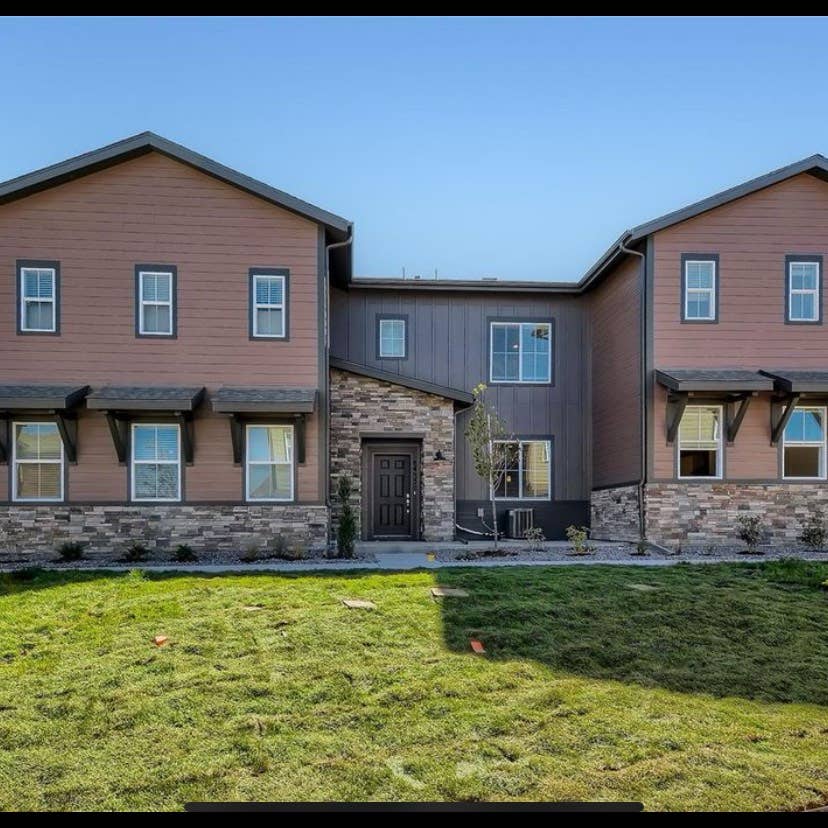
709,691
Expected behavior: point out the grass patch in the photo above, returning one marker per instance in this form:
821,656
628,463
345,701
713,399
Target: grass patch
706,693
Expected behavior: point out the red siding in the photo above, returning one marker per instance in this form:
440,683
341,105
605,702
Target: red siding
156,210
752,237
615,322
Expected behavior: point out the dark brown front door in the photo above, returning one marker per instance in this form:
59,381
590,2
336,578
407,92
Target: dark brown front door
392,507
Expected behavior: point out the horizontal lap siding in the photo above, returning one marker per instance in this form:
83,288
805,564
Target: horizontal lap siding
615,333
752,236
155,210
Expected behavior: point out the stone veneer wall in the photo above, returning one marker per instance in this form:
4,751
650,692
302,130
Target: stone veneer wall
360,405
614,513
704,514
32,531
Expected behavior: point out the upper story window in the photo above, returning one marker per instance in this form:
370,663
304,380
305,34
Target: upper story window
268,303
700,442
526,470
804,289
155,288
803,444
521,352
391,337
156,462
700,291
38,462
39,293
269,462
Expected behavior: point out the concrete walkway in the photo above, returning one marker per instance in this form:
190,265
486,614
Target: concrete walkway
394,562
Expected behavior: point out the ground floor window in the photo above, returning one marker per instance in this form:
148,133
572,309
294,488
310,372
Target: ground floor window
526,470
38,462
156,462
269,462
700,442
803,444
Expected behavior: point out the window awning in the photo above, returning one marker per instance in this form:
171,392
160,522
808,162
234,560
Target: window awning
121,402
244,404
713,380
58,402
145,398
265,400
798,382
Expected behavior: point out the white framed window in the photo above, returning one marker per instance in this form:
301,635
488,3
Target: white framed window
520,352
38,299
700,290
268,306
700,442
803,444
37,457
156,298
156,462
804,285
392,338
269,462
527,470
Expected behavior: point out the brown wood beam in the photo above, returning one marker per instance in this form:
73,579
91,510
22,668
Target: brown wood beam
788,405
676,403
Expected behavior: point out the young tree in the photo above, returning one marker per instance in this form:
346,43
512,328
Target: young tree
486,433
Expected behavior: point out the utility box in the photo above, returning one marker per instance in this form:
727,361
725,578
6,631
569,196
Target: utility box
518,521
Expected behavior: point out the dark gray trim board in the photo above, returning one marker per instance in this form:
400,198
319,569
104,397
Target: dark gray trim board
323,352
463,285
391,317
146,142
406,382
251,302
157,268
44,263
792,258
699,257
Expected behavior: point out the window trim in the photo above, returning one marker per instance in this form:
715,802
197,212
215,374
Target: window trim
156,269
15,498
39,264
269,272
520,441
720,459
495,321
391,317
133,463
823,445
687,258
248,463
799,259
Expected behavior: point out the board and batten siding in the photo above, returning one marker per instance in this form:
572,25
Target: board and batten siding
156,210
751,236
615,353
448,340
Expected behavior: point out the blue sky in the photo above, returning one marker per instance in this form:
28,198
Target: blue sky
518,148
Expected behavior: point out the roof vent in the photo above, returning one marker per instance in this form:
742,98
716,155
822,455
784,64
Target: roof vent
488,279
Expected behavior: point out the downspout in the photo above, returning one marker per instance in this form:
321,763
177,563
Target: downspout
327,344
642,517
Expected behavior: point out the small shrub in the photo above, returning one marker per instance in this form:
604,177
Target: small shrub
183,553
641,548
71,550
251,553
346,529
534,538
577,537
749,531
813,532
283,551
136,552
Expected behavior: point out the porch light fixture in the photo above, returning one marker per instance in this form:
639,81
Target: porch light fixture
438,455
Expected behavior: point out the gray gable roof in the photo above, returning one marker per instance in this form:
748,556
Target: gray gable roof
146,142
713,379
145,398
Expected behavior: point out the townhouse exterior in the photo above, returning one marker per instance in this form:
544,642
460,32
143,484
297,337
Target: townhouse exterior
187,357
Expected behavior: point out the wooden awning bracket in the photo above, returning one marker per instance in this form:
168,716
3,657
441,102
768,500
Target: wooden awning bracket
67,423
5,447
119,429
736,409
781,410
676,403
185,423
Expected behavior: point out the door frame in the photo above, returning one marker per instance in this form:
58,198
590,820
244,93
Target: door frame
370,449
